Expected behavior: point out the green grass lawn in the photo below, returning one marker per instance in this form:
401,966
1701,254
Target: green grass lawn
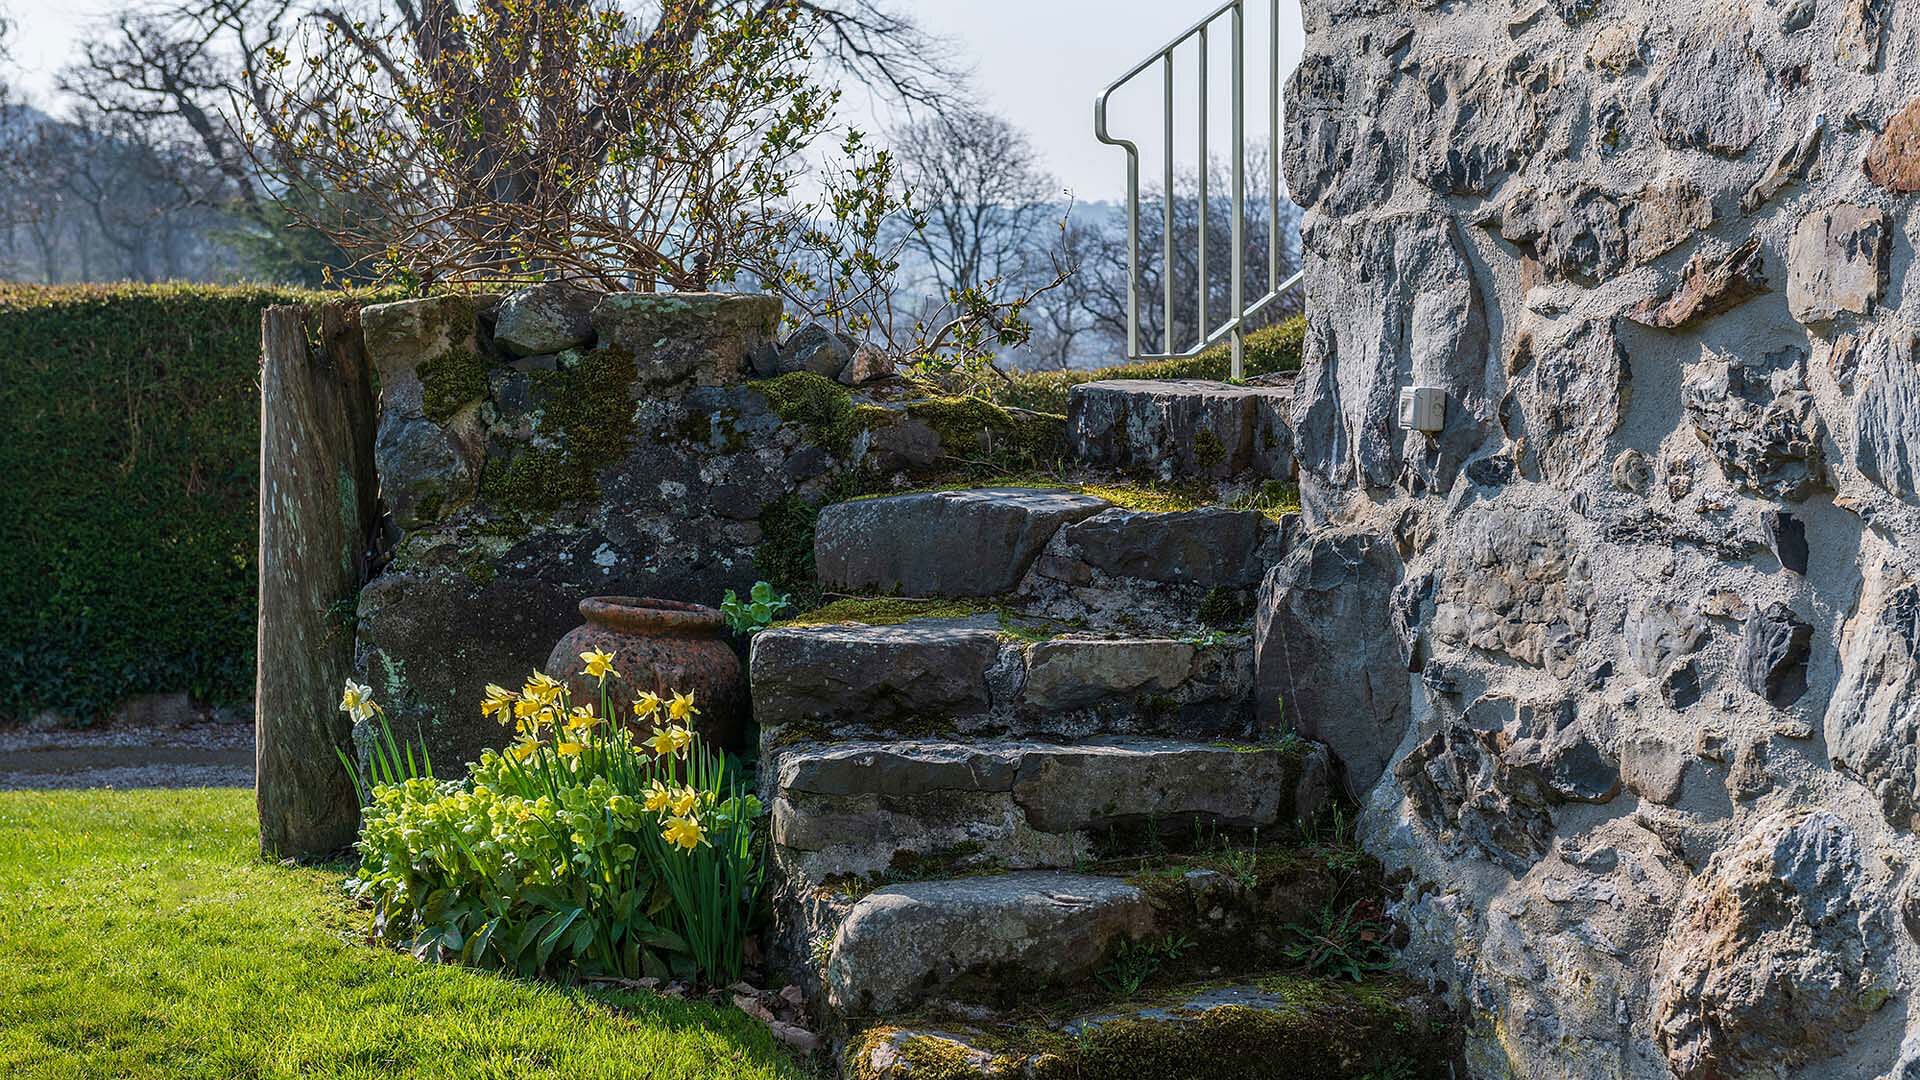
141,935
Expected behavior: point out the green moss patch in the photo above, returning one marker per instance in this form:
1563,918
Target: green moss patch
452,382
1269,351
977,434
1293,1027
586,408
817,403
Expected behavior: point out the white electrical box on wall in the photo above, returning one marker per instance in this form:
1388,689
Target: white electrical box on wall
1423,408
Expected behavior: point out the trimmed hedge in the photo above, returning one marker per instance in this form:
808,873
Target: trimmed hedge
128,470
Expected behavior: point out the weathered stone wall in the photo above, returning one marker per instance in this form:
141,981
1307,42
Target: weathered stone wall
538,448
1644,726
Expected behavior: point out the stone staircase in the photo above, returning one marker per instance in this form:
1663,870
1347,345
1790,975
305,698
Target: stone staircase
995,827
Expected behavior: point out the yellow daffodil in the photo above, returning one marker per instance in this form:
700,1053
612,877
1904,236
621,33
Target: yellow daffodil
581,719
665,741
681,707
646,705
529,718
499,701
357,701
568,749
540,687
656,797
684,832
521,751
599,664
684,801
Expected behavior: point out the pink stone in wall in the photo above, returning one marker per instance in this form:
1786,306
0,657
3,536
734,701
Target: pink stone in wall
1893,161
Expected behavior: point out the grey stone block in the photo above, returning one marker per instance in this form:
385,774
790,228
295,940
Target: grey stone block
934,939
946,543
1182,429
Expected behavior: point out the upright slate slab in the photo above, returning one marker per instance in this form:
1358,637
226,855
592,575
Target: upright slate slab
317,510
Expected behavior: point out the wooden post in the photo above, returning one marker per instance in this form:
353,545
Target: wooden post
318,503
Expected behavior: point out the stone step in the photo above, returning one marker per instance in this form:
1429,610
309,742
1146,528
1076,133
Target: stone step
959,939
861,810
1056,553
976,542
1185,429
926,677
1319,1029
1030,938
1184,569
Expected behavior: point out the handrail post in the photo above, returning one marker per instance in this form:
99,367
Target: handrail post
1166,228
1238,365
1202,325
1273,157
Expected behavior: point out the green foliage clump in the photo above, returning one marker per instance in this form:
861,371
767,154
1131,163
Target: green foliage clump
575,852
1349,942
128,517
756,613
785,553
1225,608
1269,351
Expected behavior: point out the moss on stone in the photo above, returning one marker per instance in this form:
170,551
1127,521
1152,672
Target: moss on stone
586,410
986,435
451,382
1208,451
1319,1030
888,611
717,431
1151,498
1274,349
925,1057
819,404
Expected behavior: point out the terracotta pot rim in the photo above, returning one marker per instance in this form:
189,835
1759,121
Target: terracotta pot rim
649,615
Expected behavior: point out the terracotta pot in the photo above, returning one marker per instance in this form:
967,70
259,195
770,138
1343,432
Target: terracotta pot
663,646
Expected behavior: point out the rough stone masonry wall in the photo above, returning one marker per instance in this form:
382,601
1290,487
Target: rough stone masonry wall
1642,721
552,444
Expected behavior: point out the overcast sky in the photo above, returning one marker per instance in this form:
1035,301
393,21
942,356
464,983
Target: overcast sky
1038,62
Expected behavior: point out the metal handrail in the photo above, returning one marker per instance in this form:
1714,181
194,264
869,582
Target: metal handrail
1234,328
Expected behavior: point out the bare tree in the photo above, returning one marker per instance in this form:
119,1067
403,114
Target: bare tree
185,68
986,205
200,70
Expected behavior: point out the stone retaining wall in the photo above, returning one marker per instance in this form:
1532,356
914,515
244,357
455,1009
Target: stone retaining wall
553,444
1645,730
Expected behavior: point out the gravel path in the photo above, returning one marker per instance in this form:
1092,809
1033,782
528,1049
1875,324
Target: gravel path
208,755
